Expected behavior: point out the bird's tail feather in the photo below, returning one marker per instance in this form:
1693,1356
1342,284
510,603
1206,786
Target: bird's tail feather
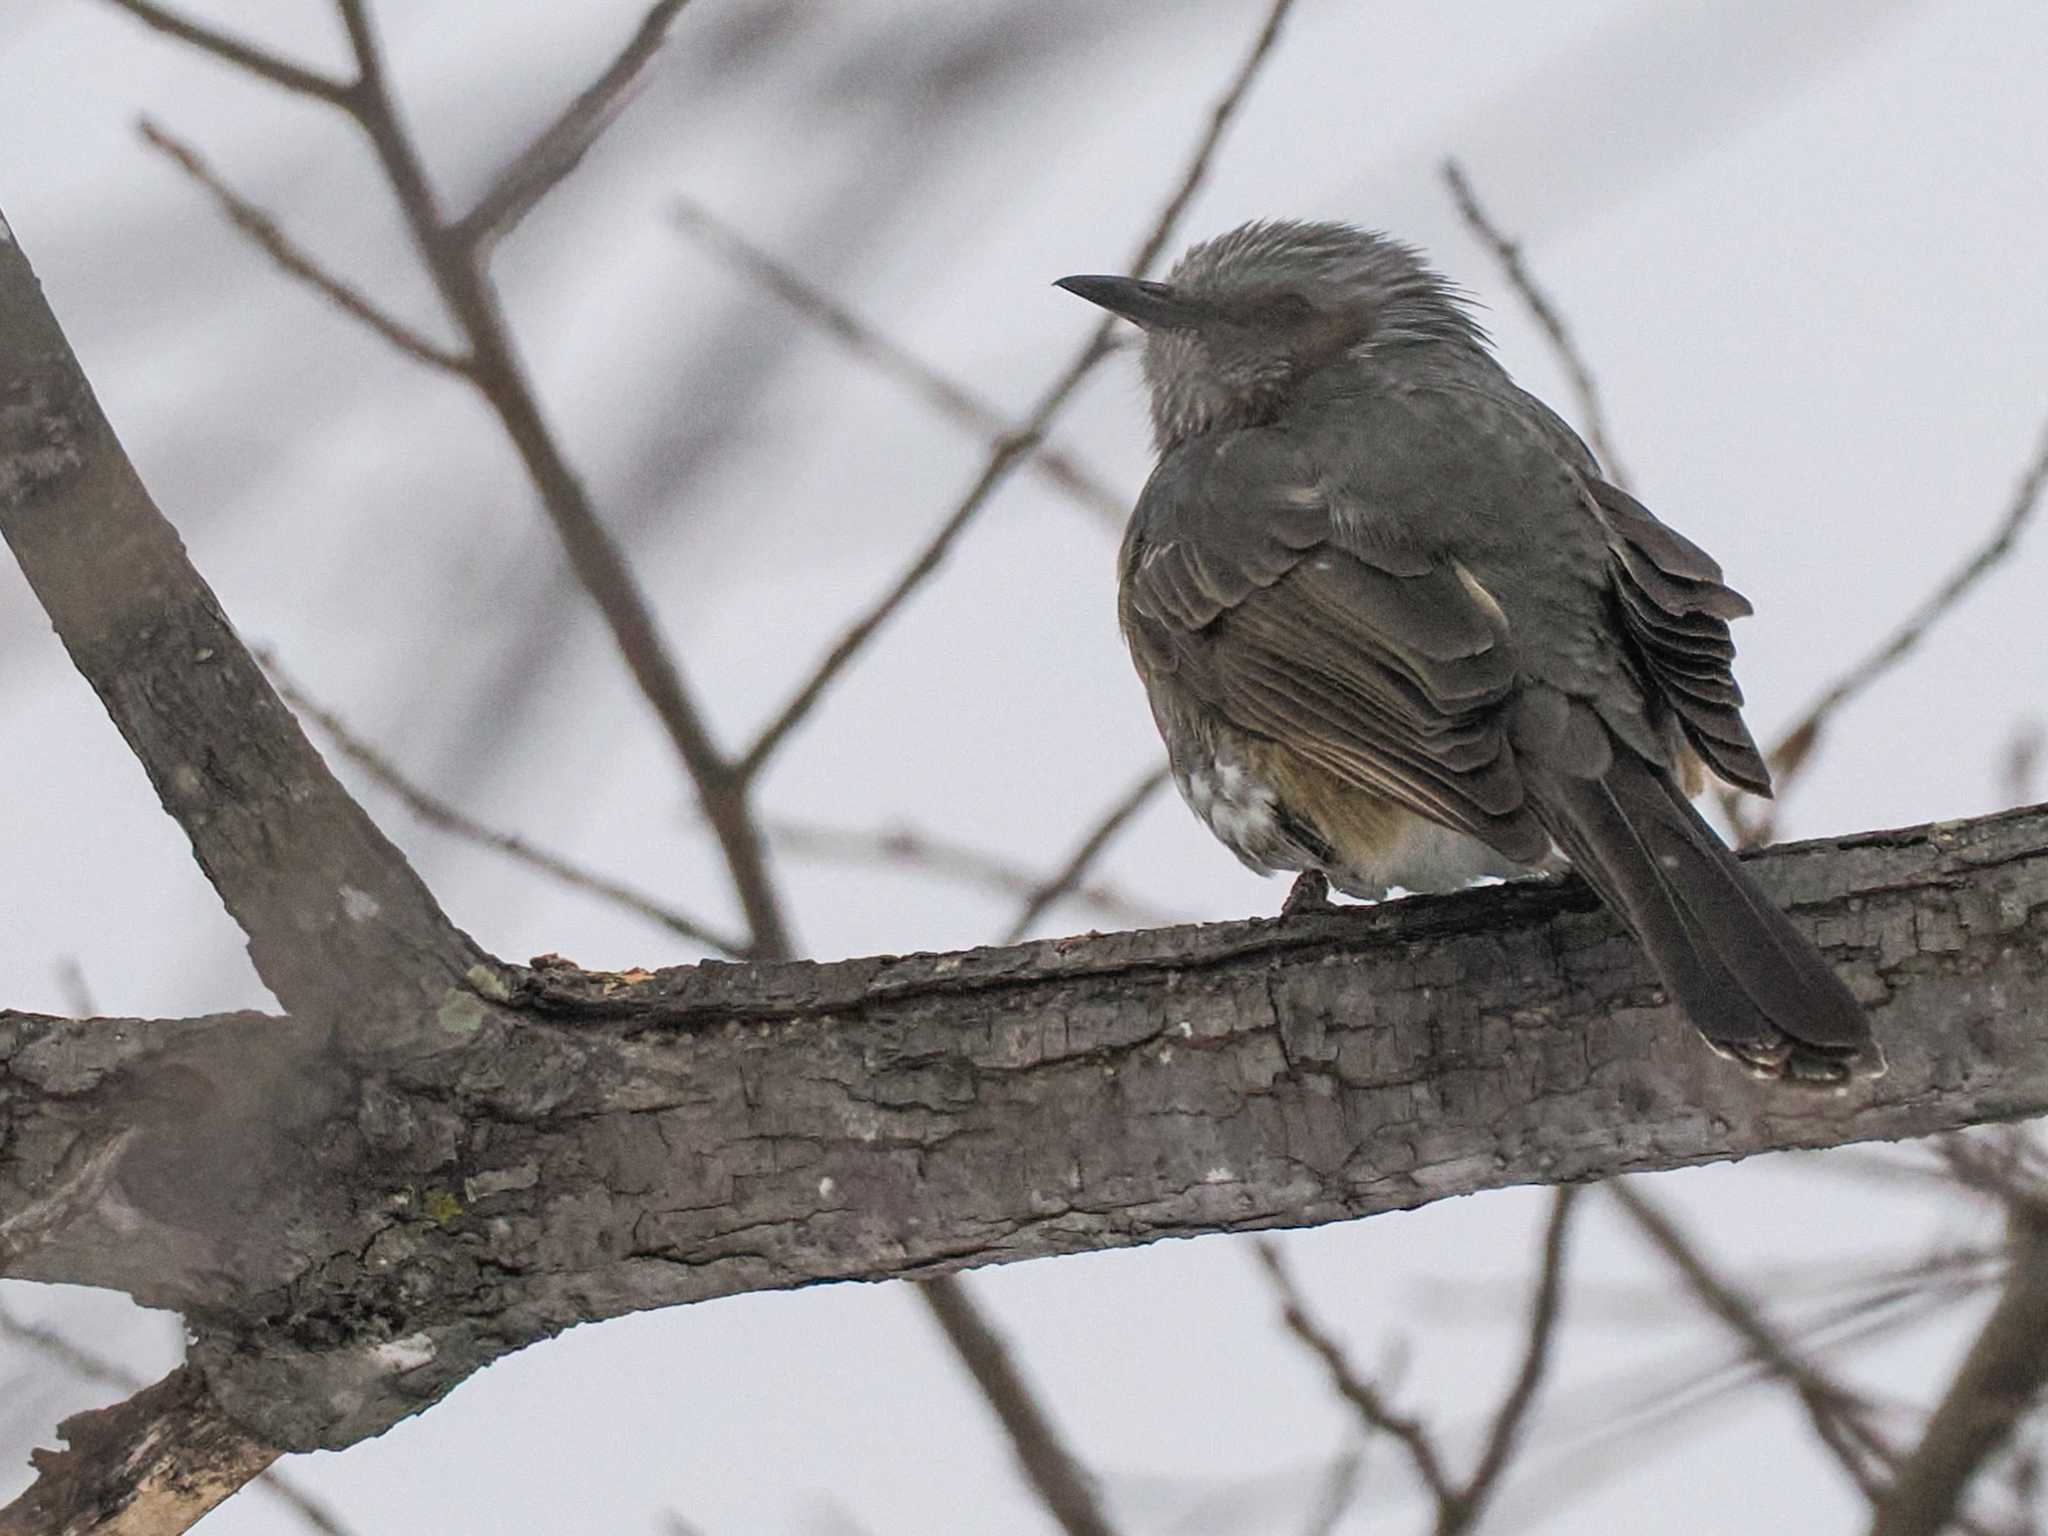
1731,960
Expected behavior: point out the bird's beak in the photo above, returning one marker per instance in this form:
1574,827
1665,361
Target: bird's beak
1148,305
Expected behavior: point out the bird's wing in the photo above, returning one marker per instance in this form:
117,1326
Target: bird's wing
1677,611
1377,662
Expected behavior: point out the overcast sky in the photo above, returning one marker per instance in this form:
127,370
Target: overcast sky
1803,245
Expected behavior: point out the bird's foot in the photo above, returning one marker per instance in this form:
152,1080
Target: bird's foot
1310,893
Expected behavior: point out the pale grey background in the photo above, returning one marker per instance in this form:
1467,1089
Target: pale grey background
1804,245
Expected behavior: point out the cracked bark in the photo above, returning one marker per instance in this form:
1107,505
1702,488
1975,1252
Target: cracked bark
594,1144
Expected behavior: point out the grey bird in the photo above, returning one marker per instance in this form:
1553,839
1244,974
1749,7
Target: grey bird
1397,630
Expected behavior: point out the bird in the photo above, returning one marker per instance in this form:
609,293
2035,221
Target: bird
1397,630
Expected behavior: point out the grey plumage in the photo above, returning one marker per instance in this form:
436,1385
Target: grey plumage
1396,629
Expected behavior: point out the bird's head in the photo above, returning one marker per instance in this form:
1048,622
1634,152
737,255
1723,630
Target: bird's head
1243,319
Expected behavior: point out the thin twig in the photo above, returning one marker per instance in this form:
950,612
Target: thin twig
560,148
1508,1420
1839,1418
1509,254
915,849
944,394
437,812
1793,750
600,566
262,229
1011,448
248,56
1058,1479
1355,1389
1070,874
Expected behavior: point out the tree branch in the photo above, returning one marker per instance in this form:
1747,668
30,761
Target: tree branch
436,812
332,911
246,56
1050,1468
149,1466
1009,449
263,230
947,396
2000,1380
1506,1427
543,165
87,1366
1374,1411
1840,1420
1067,879
1509,255
944,859
1795,747
602,1143
600,566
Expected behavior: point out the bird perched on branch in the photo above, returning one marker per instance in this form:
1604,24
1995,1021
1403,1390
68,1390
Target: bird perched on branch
1396,630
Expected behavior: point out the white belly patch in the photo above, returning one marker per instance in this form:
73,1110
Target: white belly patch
1242,812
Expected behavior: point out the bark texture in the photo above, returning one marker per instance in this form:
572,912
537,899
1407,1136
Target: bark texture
352,1242
149,1466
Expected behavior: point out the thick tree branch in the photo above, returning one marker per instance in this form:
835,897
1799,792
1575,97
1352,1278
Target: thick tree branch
331,909
595,1144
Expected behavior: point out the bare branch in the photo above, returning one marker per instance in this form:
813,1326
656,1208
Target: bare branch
260,228
1458,1504
595,557
437,812
943,858
1793,750
1010,448
2000,1379
1070,875
946,395
1839,1418
937,1079
542,166
1508,1419
1509,255
149,1466
88,1366
1377,1414
329,906
256,61
1055,1476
